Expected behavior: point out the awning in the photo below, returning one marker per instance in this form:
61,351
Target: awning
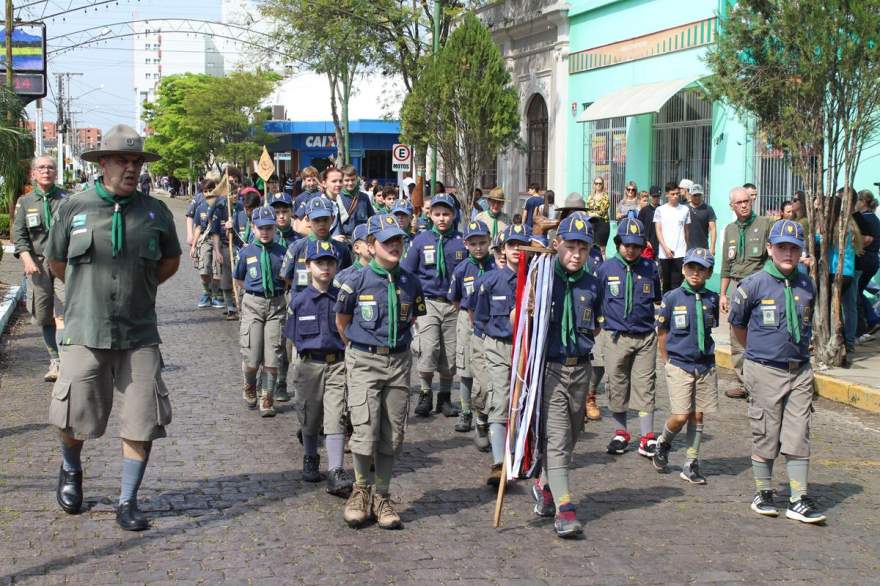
635,99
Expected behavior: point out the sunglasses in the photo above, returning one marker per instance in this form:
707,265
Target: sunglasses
598,183
630,189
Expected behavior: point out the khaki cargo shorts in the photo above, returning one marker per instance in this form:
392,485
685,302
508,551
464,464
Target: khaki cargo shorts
497,357
464,330
630,365
562,411
478,371
780,409
205,259
45,294
82,397
691,392
260,330
320,395
435,342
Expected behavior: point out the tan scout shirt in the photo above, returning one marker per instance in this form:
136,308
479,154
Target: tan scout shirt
29,231
755,253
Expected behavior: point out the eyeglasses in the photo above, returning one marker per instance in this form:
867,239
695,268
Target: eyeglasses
45,167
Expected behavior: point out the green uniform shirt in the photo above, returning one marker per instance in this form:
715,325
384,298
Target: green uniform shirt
732,265
110,303
29,231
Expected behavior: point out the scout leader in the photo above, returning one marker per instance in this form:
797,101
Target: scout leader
30,232
684,327
494,217
263,309
629,287
375,313
771,316
320,369
570,338
114,246
433,256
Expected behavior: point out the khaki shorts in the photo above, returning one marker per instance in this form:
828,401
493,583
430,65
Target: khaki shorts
225,275
691,392
82,397
260,330
436,338
205,261
630,365
562,411
780,409
598,351
320,400
478,371
45,294
497,356
464,330
378,400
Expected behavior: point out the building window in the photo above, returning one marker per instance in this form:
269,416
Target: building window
489,178
537,125
683,141
377,165
605,157
155,76
775,176
147,75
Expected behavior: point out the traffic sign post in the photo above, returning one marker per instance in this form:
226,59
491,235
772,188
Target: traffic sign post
401,158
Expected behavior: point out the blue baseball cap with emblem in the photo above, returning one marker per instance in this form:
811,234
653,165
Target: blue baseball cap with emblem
263,216
401,206
575,227
280,199
475,228
787,231
316,249
630,231
516,233
320,207
359,233
700,256
443,199
384,227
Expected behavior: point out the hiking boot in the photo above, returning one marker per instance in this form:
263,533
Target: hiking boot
566,524
464,422
691,472
52,374
593,412
481,435
737,393
445,406
281,395
619,442
267,409
339,483
310,468
204,300
648,445
231,315
424,406
386,516
763,504
804,510
544,505
357,507
249,394
661,455
494,475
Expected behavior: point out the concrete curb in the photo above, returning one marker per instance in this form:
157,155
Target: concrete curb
9,303
828,387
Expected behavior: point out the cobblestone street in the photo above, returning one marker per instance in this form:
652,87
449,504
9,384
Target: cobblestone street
227,504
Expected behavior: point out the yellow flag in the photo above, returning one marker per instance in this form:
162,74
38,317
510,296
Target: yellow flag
265,168
222,188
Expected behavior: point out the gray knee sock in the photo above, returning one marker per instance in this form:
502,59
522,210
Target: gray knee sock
281,380
558,480
425,384
668,435
384,466
763,472
334,443
694,437
598,372
646,422
72,457
132,475
310,444
798,469
498,439
250,376
620,419
49,333
363,476
464,388
445,385
268,381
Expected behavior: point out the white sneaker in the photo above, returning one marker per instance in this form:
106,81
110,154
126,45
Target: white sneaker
864,338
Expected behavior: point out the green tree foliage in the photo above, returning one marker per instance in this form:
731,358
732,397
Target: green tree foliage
201,120
16,149
464,104
808,73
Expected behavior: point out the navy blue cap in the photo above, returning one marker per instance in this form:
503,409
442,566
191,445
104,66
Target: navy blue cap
299,210
516,233
700,256
540,240
630,231
359,233
280,199
443,199
263,216
319,207
575,227
316,249
384,227
403,207
787,231
475,228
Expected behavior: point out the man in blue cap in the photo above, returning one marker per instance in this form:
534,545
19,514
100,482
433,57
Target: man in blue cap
629,287
772,317
684,327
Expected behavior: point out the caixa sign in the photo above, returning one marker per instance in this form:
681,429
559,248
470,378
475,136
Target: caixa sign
321,141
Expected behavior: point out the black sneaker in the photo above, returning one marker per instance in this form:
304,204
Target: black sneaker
691,473
763,504
339,483
544,505
661,455
804,510
619,442
425,404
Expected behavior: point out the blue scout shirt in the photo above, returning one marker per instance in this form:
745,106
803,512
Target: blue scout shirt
533,203
358,213
594,261
205,213
191,208
311,321
612,294
247,268
287,236
585,295
678,316
294,267
493,302
346,273
464,279
759,306
365,298
240,223
421,260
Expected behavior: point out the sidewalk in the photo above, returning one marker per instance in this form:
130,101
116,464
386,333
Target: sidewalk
858,386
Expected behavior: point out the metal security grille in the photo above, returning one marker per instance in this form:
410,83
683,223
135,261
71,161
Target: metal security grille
489,178
775,177
537,130
605,157
683,141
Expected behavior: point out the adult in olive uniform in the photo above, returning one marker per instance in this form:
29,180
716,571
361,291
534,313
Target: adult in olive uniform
30,231
114,246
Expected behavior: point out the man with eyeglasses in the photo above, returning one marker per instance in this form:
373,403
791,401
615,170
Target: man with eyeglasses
30,231
744,253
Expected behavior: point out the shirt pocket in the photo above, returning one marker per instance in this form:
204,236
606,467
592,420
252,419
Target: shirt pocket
366,314
680,321
644,288
499,306
754,245
79,247
150,251
307,325
769,316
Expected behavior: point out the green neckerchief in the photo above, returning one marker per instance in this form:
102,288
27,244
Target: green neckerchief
480,264
393,311
117,225
266,269
45,195
282,239
791,314
357,265
743,228
441,255
628,287
698,307
568,331
248,233
494,223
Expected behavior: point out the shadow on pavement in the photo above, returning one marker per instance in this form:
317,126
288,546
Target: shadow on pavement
19,429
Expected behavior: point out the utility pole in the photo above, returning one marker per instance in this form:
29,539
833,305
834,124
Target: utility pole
63,123
437,12
38,130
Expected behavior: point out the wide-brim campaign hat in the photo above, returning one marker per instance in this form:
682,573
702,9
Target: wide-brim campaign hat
120,140
496,194
574,201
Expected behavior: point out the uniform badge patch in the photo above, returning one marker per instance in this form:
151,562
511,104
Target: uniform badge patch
253,272
614,288
404,311
368,311
768,315
646,288
79,220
